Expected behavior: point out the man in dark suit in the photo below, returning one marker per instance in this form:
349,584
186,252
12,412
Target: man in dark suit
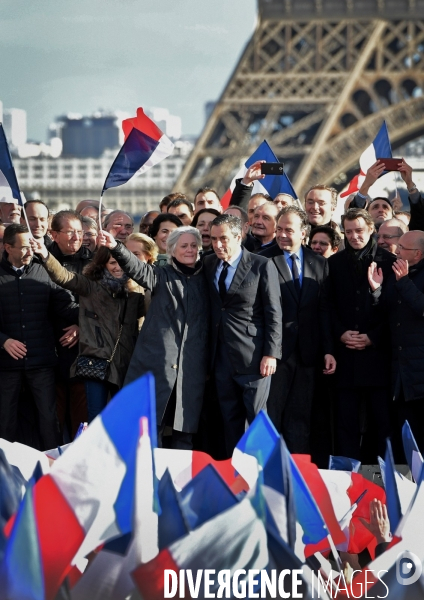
361,338
306,329
246,326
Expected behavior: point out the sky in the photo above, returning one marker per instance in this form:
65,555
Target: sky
60,56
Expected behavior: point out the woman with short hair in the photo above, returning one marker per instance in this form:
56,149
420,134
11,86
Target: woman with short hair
173,341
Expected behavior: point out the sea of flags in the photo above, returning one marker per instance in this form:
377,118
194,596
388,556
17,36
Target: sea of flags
114,511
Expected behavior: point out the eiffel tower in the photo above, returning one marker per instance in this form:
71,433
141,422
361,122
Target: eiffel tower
316,80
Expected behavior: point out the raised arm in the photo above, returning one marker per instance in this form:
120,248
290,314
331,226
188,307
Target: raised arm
75,283
142,273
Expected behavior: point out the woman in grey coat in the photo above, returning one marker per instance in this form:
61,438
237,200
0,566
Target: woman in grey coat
173,341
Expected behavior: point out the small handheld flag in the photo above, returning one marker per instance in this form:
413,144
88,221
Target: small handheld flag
379,148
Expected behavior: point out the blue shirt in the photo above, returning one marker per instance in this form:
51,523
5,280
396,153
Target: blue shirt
299,262
232,266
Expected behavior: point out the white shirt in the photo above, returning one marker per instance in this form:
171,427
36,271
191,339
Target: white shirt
232,267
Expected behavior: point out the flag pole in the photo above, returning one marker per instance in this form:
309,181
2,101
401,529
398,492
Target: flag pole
100,209
25,215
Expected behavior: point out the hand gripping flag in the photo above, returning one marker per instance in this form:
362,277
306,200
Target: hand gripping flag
379,148
144,147
271,184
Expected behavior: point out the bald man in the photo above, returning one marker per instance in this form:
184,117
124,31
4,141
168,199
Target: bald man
390,233
402,295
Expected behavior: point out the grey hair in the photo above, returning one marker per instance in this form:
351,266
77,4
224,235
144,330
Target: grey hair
175,235
113,213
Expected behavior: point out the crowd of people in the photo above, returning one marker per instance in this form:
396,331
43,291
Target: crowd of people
266,305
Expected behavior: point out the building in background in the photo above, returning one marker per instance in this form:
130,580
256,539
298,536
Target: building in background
63,182
15,126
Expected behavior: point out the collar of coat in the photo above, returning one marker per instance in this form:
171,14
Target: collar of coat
83,253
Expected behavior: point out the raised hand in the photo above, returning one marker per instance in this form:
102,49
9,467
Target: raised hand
106,239
38,247
253,173
406,173
400,268
375,276
373,173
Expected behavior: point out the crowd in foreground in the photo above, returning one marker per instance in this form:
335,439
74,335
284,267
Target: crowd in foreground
264,305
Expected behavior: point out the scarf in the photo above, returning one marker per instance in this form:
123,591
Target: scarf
113,284
186,270
361,259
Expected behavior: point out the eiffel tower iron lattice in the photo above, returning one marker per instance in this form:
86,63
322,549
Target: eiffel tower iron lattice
316,80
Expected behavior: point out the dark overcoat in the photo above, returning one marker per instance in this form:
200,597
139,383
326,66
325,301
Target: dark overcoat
404,301
173,342
352,308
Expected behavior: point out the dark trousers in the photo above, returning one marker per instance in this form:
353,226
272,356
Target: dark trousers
42,386
240,397
290,402
413,412
353,404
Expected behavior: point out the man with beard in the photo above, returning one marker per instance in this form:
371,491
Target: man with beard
362,349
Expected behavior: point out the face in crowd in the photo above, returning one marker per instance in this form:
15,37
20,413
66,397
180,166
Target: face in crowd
165,229
283,200
114,269
183,212
318,207
89,238
203,225
120,225
255,201
358,232
139,250
20,252
411,247
380,211
147,220
38,219
10,213
2,228
207,199
264,222
290,233
225,243
389,234
69,237
186,249
90,211
321,244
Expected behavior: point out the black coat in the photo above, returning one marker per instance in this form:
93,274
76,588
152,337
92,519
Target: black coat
173,342
306,319
250,317
404,301
74,263
27,304
351,305
241,194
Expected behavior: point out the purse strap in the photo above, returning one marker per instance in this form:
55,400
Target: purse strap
120,330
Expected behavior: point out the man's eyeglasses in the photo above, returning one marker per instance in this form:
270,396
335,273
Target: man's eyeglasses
71,232
410,249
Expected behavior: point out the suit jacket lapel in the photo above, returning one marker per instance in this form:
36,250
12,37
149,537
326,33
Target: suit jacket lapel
285,272
242,270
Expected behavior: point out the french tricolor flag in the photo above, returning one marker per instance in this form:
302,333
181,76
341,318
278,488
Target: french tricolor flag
144,147
379,148
271,184
9,188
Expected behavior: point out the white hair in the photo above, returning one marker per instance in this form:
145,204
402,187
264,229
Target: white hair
175,235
